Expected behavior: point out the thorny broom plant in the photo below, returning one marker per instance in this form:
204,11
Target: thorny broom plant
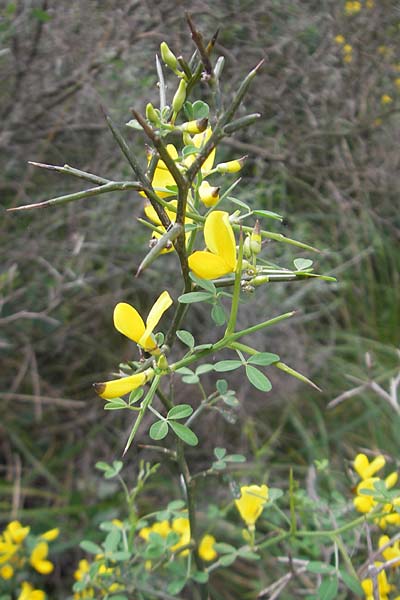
218,241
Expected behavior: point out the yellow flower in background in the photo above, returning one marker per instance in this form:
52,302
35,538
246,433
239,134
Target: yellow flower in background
397,83
163,528
251,503
6,572
83,568
348,58
384,586
220,241
390,552
352,8
16,532
153,217
199,140
366,469
347,48
370,4
39,560
182,526
206,548
50,535
386,99
339,39
162,177
28,593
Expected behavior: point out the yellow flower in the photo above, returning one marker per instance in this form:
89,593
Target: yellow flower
6,572
50,535
390,552
370,4
28,593
161,527
386,99
348,58
366,469
199,140
152,215
17,532
128,322
339,39
352,8
162,177
232,166
251,503
208,194
397,83
384,586
220,241
39,560
206,548
119,387
182,526
347,48
83,568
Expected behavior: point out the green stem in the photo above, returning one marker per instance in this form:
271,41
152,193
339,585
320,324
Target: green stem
143,407
230,328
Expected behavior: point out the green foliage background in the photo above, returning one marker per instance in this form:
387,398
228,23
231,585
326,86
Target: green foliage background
324,154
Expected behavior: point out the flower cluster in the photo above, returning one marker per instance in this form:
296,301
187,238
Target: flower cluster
382,585
19,550
364,502
101,585
352,8
181,527
347,49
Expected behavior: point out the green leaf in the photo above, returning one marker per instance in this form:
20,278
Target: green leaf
219,453
206,368
223,548
184,433
269,214
227,365
317,566
159,430
115,404
201,347
175,505
187,107
206,284
218,314
112,540
274,494
258,379
227,559
188,150
90,547
222,386
239,203
195,297
200,110
133,124
185,337
328,589
302,263
102,466
235,458
248,554
184,371
191,379
200,576
219,465
176,586
263,359
180,412
351,582
135,396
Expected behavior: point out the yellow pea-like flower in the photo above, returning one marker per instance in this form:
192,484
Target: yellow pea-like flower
209,195
28,593
39,560
207,551
162,177
251,503
366,469
232,166
220,259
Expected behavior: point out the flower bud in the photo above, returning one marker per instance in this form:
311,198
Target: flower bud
151,114
233,166
255,239
192,127
168,56
162,362
209,195
180,96
247,247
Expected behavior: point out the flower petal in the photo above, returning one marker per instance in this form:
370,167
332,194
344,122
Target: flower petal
219,237
119,387
153,217
207,265
128,321
199,140
162,303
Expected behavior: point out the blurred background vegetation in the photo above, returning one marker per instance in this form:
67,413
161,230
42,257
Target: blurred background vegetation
325,155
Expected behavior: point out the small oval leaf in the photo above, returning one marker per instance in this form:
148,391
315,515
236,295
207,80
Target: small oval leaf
158,430
258,379
184,433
